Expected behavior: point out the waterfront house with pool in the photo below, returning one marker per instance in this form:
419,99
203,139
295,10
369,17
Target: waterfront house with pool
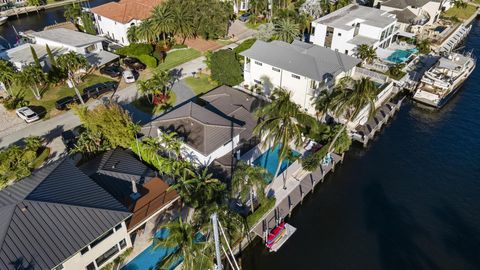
346,29
303,69
215,127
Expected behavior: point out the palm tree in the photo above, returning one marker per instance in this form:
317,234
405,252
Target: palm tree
72,63
72,12
424,46
248,180
163,21
146,32
460,4
7,74
33,78
282,123
162,79
366,53
349,103
286,30
171,143
145,88
183,22
183,240
132,34
322,102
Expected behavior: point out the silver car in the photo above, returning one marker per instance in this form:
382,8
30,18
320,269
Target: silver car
27,114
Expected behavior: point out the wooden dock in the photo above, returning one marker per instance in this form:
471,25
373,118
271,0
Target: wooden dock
298,186
364,133
31,9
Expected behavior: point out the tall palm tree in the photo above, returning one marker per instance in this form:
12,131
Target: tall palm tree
132,34
183,21
72,12
33,78
286,30
72,63
366,53
163,21
282,123
171,143
349,102
183,240
162,79
7,74
146,31
323,102
248,180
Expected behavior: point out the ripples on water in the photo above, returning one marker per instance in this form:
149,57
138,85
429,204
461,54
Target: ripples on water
411,200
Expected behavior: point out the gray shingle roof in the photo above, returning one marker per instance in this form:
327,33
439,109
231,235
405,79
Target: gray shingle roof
401,4
343,17
404,15
67,36
52,214
301,58
202,129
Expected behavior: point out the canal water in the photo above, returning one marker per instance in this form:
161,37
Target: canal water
36,22
411,200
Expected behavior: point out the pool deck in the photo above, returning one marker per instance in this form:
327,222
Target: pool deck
299,184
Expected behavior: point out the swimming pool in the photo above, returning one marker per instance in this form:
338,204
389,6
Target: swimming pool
400,56
269,160
149,258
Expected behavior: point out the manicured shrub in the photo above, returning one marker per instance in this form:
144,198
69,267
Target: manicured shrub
135,50
226,68
148,60
245,45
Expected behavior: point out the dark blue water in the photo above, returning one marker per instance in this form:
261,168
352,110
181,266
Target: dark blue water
411,200
36,22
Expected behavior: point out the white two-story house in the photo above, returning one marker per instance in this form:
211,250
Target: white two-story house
302,68
113,19
351,26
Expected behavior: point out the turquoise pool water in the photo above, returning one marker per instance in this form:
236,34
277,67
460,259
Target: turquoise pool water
400,56
269,160
149,258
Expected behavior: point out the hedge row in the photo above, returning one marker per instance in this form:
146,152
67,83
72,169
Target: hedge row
143,52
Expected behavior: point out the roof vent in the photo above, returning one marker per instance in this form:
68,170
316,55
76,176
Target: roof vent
24,209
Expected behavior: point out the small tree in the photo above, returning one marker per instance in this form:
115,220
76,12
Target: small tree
32,78
424,46
87,21
265,32
226,68
72,63
53,62
366,53
72,12
35,57
248,180
7,75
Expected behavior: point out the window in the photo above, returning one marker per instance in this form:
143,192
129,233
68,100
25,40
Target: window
90,48
275,69
346,52
258,63
101,238
118,227
99,18
107,255
339,34
91,266
312,31
84,250
123,244
296,76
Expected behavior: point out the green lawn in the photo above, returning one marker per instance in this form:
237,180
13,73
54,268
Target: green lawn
460,13
145,106
179,57
253,218
54,93
200,83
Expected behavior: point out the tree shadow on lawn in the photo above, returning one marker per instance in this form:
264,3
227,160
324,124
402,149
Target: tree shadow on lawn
397,232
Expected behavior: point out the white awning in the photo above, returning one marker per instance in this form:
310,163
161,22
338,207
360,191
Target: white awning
406,34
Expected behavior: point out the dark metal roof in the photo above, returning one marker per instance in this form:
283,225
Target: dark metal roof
123,164
51,215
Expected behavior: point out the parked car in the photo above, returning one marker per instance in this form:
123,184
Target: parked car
134,63
62,104
112,71
70,137
128,76
244,17
27,114
98,89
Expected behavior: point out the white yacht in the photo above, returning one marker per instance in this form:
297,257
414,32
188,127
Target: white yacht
3,19
444,78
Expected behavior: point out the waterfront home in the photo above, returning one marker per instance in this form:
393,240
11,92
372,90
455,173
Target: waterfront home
59,218
215,126
413,15
354,25
59,40
114,18
301,68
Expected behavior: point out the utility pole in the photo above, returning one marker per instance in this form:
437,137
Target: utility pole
217,241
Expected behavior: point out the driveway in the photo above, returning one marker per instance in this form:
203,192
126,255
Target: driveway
183,92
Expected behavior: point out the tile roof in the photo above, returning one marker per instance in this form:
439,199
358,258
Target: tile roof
52,214
125,11
302,58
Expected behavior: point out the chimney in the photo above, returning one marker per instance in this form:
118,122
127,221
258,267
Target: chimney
135,195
